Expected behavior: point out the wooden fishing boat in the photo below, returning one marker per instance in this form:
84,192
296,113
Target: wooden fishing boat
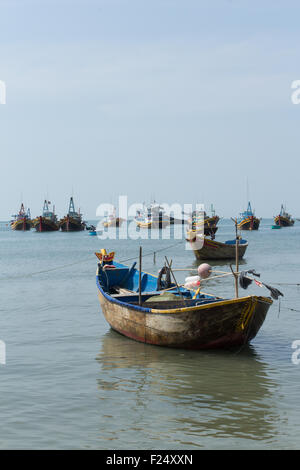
206,248
22,220
153,216
72,222
284,219
200,222
112,221
48,221
247,220
137,305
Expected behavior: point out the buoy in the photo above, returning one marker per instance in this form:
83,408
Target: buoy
191,282
204,270
192,285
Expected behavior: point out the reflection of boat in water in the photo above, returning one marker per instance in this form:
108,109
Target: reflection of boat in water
72,222
247,220
206,248
207,394
284,219
136,305
22,220
48,221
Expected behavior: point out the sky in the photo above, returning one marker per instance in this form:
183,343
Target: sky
181,101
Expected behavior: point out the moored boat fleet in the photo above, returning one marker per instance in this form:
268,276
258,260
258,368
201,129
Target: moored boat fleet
48,220
152,217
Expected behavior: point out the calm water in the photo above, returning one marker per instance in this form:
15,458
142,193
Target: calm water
71,382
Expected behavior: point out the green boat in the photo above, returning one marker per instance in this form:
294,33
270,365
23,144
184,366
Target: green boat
276,226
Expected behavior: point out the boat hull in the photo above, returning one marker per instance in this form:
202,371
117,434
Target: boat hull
21,225
153,224
216,325
250,223
42,224
213,250
283,221
209,224
69,224
113,223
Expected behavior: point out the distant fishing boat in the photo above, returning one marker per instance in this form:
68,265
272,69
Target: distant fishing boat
145,308
72,222
22,220
48,221
153,216
200,222
248,220
284,219
207,249
112,220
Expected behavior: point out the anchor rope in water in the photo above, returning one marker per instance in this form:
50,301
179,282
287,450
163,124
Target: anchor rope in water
44,271
154,251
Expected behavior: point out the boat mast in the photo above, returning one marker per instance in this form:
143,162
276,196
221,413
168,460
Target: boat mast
46,207
22,210
71,206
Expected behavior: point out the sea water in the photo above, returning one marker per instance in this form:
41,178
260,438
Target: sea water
69,382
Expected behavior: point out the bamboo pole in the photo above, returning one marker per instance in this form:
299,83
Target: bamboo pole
169,266
235,274
236,260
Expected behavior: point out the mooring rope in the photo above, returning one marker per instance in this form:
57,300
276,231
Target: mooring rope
63,266
44,271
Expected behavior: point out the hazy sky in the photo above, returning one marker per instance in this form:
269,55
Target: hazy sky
177,100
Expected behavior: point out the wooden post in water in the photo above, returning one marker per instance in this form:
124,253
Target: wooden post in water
235,274
140,277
